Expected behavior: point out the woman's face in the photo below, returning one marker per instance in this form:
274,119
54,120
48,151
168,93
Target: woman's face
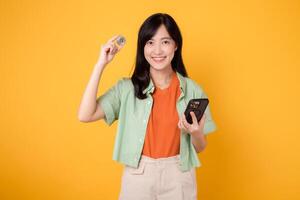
159,50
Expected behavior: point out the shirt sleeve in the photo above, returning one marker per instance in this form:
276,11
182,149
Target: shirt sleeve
209,124
110,102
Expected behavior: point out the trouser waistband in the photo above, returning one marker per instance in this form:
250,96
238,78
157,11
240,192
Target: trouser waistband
171,159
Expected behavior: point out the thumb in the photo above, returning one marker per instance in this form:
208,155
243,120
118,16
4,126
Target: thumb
202,119
194,118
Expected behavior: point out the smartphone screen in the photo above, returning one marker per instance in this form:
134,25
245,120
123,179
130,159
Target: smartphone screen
198,106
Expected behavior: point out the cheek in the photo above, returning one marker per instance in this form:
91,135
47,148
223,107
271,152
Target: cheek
146,51
148,59
171,55
146,55
170,51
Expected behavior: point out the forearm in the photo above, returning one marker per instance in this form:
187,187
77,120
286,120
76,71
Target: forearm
199,141
88,102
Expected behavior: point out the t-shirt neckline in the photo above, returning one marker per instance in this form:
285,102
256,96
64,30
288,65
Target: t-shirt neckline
169,86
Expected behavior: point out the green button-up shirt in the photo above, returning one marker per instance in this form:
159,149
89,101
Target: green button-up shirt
120,103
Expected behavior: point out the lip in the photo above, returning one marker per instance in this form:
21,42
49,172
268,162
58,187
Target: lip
158,59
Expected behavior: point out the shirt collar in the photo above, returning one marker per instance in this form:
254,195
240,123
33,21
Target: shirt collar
182,82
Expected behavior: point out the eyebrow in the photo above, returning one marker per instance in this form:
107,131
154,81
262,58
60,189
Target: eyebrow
163,38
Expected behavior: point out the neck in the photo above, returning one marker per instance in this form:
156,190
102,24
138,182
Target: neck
161,78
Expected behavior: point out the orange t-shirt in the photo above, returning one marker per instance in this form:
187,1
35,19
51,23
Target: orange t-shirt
163,135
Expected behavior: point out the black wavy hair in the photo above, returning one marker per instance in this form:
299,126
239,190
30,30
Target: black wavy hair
141,75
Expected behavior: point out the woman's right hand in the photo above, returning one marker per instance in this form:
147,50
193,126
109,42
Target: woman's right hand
108,51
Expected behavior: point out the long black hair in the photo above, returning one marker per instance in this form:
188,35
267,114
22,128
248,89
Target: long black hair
141,75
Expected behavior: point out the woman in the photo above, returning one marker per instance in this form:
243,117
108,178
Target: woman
156,144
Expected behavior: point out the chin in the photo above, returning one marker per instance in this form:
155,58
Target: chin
158,68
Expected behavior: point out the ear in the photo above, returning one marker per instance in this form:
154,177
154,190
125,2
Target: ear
175,48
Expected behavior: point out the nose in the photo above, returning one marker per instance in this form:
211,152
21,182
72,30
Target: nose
157,49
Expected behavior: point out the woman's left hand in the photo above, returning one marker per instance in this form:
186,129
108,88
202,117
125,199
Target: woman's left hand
193,129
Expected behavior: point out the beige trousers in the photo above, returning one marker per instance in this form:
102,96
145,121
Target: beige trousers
158,179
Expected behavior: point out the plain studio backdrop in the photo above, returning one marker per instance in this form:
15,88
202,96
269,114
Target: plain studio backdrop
245,54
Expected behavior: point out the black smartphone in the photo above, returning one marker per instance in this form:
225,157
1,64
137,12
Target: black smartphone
198,106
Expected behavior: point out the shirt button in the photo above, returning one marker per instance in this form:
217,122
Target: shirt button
144,121
149,102
141,140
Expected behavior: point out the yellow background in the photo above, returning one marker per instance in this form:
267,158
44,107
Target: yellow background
245,54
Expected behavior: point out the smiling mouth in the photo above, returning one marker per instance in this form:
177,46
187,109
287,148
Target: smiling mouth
158,59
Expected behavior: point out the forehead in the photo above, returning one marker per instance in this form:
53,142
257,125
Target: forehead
161,33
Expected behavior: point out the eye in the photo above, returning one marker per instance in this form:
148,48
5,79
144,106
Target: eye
166,42
149,42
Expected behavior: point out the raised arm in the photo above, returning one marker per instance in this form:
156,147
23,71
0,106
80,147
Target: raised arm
89,110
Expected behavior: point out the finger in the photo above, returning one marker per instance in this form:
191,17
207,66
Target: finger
185,123
114,49
181,124
202,120
178,124
182,127
112,39
194,118
107,48
201,123
119,47
111,49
